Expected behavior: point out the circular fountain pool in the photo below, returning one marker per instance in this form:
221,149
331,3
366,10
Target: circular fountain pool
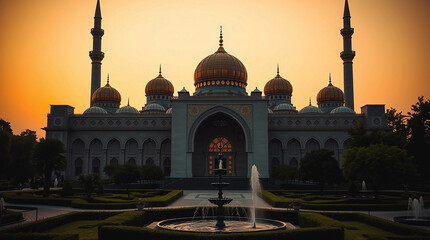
232,226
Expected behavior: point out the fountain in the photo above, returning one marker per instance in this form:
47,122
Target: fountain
415,213
223,223
363,186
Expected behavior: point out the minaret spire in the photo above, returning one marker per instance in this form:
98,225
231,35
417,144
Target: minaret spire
221,48
347,56
346,10
96,54
98,13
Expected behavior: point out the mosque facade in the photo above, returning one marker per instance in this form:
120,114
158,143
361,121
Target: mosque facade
183,134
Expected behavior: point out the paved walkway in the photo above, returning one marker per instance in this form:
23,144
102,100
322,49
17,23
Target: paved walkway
192,198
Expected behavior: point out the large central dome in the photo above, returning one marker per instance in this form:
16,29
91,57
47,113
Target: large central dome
220,73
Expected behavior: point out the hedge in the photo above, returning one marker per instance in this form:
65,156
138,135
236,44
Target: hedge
10,217
38,236
276,199
52,222
155,201
130,233
389,226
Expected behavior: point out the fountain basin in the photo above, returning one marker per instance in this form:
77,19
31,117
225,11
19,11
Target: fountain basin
220,201
232,226
421,221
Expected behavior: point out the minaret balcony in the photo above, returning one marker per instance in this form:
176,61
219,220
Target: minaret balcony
347,31
347,56
97,56
97,32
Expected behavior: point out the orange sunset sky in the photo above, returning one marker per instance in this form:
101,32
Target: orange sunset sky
44,47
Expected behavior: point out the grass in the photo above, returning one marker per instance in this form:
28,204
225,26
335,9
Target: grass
358,230
87,229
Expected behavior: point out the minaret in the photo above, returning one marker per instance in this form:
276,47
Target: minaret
96,54
347,56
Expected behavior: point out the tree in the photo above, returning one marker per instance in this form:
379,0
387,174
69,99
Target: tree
285,172
126,174
419,142
320,166
152,172
5,126
378,165
49,156
361,137
21,150
110,169
5,158
90,182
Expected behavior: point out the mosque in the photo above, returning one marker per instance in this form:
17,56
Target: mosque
183,134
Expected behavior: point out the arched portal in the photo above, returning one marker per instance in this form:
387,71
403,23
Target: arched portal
217,130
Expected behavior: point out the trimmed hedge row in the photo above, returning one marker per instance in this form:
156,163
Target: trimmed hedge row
10,217
389,226
155,201
38,236
52,222
277,200
130,233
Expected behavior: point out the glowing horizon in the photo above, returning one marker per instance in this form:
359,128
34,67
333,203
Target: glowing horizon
45,45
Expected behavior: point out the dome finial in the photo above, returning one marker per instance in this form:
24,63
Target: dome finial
329,79
310,104
128,101
159,71
277,69
108,79
220,36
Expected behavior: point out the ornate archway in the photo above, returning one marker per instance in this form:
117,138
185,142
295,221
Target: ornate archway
217,130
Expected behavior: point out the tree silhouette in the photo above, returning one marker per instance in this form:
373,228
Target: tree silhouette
49,156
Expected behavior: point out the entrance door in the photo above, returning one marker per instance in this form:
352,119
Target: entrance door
216,146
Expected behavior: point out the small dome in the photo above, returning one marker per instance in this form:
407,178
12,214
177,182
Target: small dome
278,86
342,109
310,109
95,110
106,94
220,70
128,109
284,107
330,94
169,111
159,86
153,107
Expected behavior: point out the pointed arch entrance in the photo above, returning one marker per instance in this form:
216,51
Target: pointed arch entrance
219,130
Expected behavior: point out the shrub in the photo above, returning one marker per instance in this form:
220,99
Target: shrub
10,217
67,189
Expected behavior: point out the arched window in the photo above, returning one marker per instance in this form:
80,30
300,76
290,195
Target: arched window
149,161
96,165
167,168
78,166
275,163
220,142
114,161
294,162
132,161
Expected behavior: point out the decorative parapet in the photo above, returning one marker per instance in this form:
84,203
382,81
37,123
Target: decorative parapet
139,122
314,122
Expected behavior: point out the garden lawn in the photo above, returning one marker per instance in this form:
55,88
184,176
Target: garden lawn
359,230
87,229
